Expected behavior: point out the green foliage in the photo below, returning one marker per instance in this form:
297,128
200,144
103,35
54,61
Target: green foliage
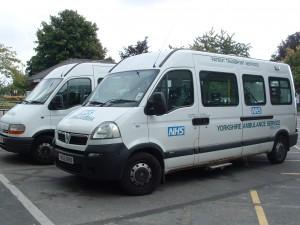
19,84
291,42
293,59
222,43
139,48
68,35
8,61
10,68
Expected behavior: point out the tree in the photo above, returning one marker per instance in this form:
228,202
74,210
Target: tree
10,68
19,84
68,35
139,48
293,59
8,61
291,43
222,42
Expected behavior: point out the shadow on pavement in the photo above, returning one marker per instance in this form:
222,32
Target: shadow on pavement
13,158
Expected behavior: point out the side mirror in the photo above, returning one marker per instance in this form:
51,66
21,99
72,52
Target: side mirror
56,103
156,105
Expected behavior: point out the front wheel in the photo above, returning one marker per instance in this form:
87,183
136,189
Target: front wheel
141,175
43,151
279,151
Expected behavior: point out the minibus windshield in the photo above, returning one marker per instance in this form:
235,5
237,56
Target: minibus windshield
123,89
42,91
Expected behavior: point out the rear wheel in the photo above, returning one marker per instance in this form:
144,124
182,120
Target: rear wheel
279,151
141,175
43,151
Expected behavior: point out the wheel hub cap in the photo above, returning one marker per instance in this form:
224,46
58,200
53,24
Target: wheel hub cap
140,174
44,150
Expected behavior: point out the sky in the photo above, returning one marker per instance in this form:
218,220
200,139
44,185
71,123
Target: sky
262,23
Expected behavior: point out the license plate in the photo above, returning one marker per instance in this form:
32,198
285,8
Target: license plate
65,158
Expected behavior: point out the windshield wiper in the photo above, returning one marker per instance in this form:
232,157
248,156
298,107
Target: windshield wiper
116,101
95,103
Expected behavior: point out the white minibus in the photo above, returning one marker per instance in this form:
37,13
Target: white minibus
28,128
156,113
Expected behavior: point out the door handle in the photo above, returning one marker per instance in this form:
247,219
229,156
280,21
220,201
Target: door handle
200,121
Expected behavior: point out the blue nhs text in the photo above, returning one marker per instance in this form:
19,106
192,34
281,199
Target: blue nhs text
176,131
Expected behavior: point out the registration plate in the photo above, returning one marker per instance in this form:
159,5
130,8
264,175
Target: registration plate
65,158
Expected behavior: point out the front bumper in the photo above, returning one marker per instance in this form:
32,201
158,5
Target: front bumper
107,164
22,145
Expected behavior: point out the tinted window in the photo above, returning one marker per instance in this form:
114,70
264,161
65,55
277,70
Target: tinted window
218,89
177,87
74,92
254,90
280,91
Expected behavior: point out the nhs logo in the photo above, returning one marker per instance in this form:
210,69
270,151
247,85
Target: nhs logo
176,131
256,110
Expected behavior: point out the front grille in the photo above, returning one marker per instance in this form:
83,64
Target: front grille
61,137
78,140
71,138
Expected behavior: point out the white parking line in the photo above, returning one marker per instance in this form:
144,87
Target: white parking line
34,211
292,160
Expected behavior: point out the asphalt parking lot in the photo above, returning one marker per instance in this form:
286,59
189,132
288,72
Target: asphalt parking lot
252,193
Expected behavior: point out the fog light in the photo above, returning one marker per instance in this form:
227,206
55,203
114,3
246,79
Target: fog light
95,155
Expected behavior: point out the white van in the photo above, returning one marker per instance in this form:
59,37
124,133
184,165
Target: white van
28,128
158,113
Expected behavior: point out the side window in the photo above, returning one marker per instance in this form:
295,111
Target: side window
177,87
74,92
218,89
254,90
99,80
280,91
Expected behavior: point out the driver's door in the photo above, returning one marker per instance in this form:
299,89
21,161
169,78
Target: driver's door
174,131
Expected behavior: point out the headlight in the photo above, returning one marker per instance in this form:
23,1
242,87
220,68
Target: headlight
16,129
106,130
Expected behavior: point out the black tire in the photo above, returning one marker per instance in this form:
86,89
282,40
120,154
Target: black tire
142,174
279,151
43,151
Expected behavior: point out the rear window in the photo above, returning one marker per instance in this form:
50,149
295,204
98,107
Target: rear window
280,91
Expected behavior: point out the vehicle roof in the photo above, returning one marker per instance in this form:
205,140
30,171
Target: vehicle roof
84,69
187,58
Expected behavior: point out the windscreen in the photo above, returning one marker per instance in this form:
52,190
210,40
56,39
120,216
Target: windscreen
124,89
42,91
